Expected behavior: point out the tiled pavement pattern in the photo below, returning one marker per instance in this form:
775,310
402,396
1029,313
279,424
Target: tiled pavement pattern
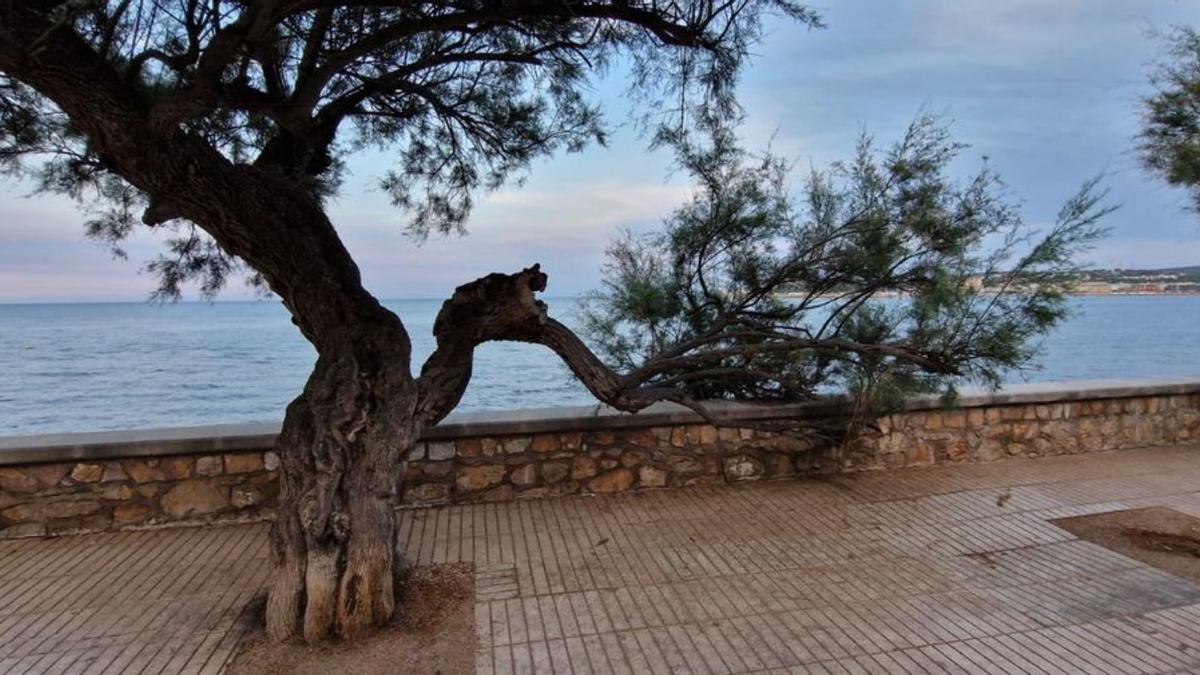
940,570
163,601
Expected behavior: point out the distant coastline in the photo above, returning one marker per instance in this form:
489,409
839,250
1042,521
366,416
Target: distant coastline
1164,281
1089,293
1083,293
1122,282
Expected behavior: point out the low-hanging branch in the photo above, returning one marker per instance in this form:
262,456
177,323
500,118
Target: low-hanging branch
504,307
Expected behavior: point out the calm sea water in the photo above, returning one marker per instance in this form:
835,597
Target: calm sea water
88,367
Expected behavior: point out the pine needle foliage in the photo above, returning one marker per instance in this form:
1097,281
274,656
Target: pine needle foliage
883,277
1169,142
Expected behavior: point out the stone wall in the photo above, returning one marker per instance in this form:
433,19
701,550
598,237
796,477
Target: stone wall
500,468
73,497
76,483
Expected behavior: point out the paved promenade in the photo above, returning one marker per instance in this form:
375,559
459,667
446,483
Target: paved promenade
941,570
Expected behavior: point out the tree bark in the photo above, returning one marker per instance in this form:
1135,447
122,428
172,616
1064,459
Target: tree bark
333,544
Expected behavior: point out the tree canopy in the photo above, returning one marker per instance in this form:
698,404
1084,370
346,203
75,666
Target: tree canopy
1170,138
884,276
464,94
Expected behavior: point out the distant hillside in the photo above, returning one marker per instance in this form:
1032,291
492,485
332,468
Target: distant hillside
1164,280
1174,274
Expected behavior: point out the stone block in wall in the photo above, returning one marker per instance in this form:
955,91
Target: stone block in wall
583,467
640,438
177,468
678,437
601,438
729,435
441,450
921,453
436,469
544,443
474,478
525,476
427,493
87,473
41,511
119,492
554,472
16,480
245,496
468,447
195,497
515,444
743,467
47,475
243,462
976,418
779,465
617,480
631,459
684,464
131,514
651,477
113,473
210,465
702,434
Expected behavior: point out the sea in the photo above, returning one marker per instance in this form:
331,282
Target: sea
103,366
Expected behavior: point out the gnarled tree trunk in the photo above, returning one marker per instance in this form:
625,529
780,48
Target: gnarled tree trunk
333,545
344,439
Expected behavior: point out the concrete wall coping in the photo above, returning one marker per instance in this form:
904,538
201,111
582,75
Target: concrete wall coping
106,445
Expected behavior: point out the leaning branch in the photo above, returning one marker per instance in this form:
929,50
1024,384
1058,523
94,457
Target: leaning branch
503,307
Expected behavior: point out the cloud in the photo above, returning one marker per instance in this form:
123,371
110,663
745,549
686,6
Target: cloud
565,228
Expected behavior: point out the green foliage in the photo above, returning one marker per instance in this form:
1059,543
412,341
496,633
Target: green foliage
1170,136
870,282
465,94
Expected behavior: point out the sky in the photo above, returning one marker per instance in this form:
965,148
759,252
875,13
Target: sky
1048,91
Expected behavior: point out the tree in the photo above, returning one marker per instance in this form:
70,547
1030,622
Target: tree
887,278
226,123
1170,138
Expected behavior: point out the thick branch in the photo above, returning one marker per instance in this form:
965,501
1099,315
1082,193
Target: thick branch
503,307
